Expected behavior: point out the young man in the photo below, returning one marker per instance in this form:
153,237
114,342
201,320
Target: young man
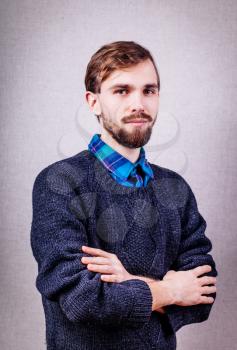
123,259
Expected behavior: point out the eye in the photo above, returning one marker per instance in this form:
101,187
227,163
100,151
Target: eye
120,91
149,91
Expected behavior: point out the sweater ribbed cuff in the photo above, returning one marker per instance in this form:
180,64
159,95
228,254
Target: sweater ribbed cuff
142,302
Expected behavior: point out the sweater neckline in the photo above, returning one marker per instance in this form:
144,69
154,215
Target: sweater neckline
106,182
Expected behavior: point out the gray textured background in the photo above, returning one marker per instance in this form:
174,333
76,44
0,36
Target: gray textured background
45,47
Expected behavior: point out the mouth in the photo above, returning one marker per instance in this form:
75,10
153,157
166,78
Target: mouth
137,121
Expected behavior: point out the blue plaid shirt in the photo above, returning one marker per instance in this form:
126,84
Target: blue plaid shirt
122,169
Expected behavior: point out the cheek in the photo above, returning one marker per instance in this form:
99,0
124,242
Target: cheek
116,111
110,107
153,107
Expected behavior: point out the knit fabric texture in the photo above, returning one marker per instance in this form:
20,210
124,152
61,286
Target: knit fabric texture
120,168
151,229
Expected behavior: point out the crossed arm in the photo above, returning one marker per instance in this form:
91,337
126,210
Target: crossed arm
182,288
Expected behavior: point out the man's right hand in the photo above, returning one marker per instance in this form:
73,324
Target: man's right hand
183,288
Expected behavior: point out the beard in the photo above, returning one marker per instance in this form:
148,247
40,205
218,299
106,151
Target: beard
136,138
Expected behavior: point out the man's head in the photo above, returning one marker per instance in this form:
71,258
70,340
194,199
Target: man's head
122,84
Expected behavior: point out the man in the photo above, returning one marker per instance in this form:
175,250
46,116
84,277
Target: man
120,244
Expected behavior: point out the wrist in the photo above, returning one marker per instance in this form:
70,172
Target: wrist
161,294
142,278
170,296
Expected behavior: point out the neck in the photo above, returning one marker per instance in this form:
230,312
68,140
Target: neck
131,154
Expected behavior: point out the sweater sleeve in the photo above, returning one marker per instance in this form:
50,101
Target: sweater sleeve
57,235
193,251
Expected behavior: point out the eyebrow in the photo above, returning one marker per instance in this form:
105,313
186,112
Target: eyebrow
126,86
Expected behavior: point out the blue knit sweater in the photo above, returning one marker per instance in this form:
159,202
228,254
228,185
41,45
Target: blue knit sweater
151,229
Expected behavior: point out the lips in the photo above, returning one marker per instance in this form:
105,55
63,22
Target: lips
138,121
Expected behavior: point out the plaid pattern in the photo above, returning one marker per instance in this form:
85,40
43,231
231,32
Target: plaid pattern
121,169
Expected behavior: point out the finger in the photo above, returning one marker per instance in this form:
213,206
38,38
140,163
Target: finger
93,260
206,300
209,290
100,268
201,270
109,278
207,280
95,251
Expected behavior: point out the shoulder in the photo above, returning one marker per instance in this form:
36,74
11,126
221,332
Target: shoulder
171,188
168,176
63,173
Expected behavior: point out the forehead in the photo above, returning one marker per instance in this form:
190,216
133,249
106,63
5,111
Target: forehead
138,75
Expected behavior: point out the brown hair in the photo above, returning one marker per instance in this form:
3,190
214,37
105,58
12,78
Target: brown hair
116,55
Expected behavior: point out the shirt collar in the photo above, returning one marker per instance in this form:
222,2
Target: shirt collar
116,162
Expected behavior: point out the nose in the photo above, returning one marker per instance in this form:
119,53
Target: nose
137,103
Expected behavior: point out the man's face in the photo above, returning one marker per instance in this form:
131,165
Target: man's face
128,95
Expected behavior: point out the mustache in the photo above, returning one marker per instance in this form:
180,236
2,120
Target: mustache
139,115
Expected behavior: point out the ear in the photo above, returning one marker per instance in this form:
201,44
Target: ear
93,102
